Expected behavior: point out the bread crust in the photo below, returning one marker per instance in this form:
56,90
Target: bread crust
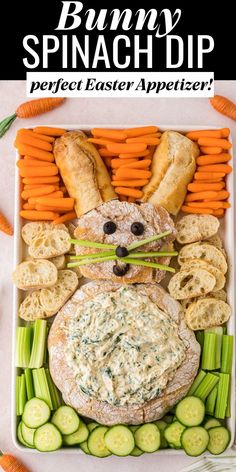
103,412
173,166
83,171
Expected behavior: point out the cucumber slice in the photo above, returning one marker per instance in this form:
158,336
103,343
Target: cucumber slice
66,420
173,434
148,437
36,413
91,426
136,452
190,411
212,423
162,426
78,436
27,434
119,440
219,439
96,442
20,437
47,438
84,447
195,440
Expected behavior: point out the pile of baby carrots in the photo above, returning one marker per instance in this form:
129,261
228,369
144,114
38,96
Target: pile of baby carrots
43,194
207,193
127,153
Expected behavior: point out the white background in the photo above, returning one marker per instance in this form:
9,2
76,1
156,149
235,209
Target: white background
178,111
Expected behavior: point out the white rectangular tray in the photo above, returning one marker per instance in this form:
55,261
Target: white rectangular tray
227,232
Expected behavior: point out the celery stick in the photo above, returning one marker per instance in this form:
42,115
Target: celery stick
206,386
224,329
29,384
228,409
23,346
197,381
41,387
93,255
54,393
222,395
129,260
209,351
218,330
227,354
200,337
133,255
18,383
22,396
148,240
211,401
39,343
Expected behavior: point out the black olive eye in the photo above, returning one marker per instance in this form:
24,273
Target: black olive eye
109,227
137,228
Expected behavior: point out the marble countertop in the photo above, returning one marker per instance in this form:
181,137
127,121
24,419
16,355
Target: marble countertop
180,111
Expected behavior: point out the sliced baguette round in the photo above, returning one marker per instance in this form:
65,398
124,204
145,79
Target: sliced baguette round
30,230
206,313
35,274
220,295
200,264
31,309
192,228
204,251
50,243
191,283
52,299
59,261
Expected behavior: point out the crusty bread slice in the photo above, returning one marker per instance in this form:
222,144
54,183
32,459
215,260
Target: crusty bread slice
35,274
59,261
192,228
206,313
191,283
204,251
50,243
201,264
31,309
217,242
52,299
220,295
76,270
30,230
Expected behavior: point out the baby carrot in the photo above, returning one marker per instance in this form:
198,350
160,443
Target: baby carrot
35,142
221,195
37,192
201,196
128,174
66,203
32,163
208,175
143,139
140,131
5,226
213,204
223,143
34,200
195,135
41,180
210,181
31,186
39,171
211,150
30,132
216,168
129,183
100,141
49,131
109,133
105,153
130,155
220,212
116,163
61,219
213,159
24,149
10,463
38,215
205,211
28,206
129,192
144,164
224,105
125,148
40,207
201,187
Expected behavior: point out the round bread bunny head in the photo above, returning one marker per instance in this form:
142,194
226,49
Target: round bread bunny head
121,224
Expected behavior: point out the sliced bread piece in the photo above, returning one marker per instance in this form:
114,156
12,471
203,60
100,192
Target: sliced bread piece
206,313
30,230
53,299
35,274
31,309
204,251
50,243
191,283
217,242
220,295
76,270
59,261
192,228
201,264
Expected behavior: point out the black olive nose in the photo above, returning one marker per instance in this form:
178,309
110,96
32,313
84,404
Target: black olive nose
120,271
121,251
